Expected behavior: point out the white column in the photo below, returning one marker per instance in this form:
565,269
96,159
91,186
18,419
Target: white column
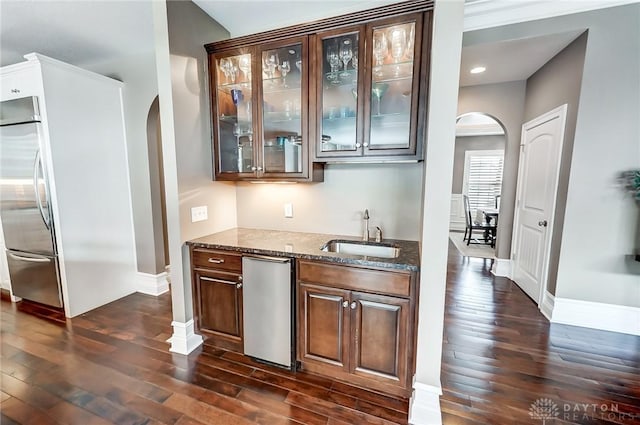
443,104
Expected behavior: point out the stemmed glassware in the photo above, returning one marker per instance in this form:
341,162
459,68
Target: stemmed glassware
229,69
398,42
270,64
333,57
244,63
346,54
380,50
378,90
284,68
354,64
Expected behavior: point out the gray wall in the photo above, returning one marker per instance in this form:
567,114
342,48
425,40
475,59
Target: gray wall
505,103
593,263
471,143
556,83
189,29
391,192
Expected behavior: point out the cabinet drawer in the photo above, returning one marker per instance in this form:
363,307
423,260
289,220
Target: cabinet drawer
216,259
359,279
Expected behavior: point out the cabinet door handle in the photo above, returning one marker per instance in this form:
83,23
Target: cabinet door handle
238,285
353,305
259,168
358,145
216,260
210,279
15,90
366,145
345,304
254,168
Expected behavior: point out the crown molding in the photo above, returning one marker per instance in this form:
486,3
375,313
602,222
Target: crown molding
480,14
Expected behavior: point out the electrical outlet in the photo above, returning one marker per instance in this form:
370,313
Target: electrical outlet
199,214
288,210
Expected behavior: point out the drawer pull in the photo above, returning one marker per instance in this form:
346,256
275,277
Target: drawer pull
210,279
353,305
216,260
15,90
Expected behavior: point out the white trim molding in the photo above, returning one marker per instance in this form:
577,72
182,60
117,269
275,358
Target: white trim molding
501,267
152,284
479,14
456,218
184,340
546,307
424,406
606,317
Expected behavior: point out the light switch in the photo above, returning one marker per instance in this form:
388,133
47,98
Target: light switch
288,210
199,214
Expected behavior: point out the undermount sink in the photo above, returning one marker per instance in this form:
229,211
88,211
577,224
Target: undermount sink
361,248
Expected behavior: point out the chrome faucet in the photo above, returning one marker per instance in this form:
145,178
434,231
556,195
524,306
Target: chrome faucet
365,234
378,234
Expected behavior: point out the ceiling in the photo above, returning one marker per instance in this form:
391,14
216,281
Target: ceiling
511,60
85,32
77,32
242,17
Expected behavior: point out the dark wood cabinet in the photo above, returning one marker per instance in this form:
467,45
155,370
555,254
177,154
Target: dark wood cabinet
352,88
217,289
324,324
362,338
380,336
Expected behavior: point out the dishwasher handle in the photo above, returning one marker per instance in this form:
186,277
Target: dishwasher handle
281,260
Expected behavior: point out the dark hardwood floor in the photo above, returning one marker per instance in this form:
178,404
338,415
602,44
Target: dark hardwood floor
500,356
111,365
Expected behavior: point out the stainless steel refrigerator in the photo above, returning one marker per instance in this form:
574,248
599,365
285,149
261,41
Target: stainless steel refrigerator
27,223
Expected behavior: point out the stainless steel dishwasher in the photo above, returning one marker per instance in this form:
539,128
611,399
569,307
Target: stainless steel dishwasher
267,309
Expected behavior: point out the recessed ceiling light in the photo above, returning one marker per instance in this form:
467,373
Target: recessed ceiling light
478,69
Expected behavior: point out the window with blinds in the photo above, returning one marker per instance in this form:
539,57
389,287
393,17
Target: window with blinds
483,178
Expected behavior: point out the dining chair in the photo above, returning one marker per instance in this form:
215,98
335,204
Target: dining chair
488,230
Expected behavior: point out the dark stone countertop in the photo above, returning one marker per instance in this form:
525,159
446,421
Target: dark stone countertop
306,246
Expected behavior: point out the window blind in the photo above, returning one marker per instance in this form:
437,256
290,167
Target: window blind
484,179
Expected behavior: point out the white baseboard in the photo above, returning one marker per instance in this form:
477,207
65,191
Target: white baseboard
548,301
184,340
587,314
424,406
152,284
502,267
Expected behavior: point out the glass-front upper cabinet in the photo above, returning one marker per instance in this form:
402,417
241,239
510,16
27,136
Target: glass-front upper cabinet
284,108
339,87
234,96
367,101
261,112
393,85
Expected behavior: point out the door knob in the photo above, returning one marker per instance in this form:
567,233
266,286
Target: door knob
345,304
543,223
353,305
239,285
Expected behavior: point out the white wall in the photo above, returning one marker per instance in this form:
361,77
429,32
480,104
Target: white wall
391,192
140,88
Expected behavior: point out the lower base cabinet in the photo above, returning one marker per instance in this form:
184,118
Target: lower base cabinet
217,285
362,338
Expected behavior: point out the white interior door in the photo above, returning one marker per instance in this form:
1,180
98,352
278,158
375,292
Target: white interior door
538,172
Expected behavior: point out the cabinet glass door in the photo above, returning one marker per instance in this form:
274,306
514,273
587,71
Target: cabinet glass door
394,85
234,93
338,56
284,108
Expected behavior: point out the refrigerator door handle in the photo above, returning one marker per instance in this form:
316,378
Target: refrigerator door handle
37,165
30,259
